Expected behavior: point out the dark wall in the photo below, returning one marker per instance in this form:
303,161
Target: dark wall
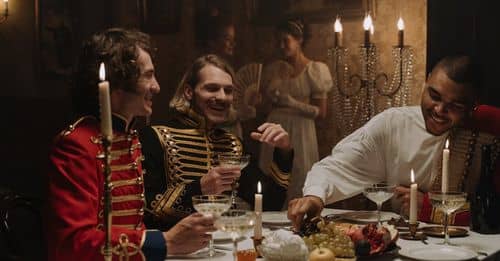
464,26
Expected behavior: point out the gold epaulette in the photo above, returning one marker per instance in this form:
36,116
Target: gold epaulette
280,177
72,127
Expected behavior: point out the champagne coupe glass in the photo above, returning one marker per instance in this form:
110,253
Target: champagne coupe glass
448,202
237,223
233,160
211,205
379,193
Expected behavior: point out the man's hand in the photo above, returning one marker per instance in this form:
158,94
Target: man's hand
272,134
299,207
219,179
189,235
403,195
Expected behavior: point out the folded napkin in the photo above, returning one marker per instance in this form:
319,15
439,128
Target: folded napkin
283,245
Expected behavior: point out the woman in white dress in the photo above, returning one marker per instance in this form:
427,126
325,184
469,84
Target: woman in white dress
295,94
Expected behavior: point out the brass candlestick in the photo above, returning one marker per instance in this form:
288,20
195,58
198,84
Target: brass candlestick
107,248
413,234
256,243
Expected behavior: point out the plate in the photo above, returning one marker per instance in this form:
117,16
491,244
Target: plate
438,231
275,218
368,216
438,253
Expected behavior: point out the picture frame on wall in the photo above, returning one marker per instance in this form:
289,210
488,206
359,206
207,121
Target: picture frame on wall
161,16
55,39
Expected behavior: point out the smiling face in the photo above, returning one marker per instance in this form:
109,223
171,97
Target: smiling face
212,96
139,102
445,103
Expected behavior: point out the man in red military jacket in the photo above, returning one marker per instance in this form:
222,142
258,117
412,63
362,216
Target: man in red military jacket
76,181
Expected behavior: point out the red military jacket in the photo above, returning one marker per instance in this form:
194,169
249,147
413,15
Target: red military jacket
76,185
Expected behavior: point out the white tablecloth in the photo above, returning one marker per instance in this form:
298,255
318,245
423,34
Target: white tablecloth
489,244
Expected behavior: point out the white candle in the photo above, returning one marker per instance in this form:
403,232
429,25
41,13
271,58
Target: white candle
105,104
368,27
337,27
446,158
257,232
401,28
413,199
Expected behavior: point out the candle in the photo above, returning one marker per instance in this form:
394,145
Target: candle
6,7
257,232
413,199
446,158
401,28
337,27
368,26
105,104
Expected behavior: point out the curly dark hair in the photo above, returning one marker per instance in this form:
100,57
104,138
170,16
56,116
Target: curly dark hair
296,28
118,49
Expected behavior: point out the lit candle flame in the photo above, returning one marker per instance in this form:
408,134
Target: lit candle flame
412,176
102,72
259,187
6,1
401,24
367,23
447,144
337,26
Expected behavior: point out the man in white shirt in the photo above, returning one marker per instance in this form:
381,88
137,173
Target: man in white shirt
394,142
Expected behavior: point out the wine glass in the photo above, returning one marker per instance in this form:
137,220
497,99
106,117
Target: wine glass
211,205
233,160
448,202
237,223
379,193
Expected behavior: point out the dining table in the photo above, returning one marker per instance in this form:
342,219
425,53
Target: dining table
487,246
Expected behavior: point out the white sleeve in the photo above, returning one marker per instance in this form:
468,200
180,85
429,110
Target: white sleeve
355,162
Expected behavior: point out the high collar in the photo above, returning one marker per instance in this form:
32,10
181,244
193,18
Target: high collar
120,123
192,119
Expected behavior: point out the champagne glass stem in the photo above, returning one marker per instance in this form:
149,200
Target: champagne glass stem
446,234
379,206
235,249
211,250
233,195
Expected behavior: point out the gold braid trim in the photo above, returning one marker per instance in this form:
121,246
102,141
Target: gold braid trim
163,205
126,182
136,197
124,249
127,212
280,177
72,127
129,166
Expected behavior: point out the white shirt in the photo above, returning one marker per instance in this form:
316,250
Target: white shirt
385,149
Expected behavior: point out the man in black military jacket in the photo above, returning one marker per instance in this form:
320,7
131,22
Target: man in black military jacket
181,154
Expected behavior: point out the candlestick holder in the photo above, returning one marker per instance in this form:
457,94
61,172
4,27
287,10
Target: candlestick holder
5,14
256,244
107,250
356,98
413,234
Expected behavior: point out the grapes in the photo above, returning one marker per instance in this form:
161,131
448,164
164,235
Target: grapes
331,237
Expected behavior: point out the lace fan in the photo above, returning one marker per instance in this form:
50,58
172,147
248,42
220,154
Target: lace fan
247,85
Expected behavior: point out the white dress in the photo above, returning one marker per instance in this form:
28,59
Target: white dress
385,149
312,83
